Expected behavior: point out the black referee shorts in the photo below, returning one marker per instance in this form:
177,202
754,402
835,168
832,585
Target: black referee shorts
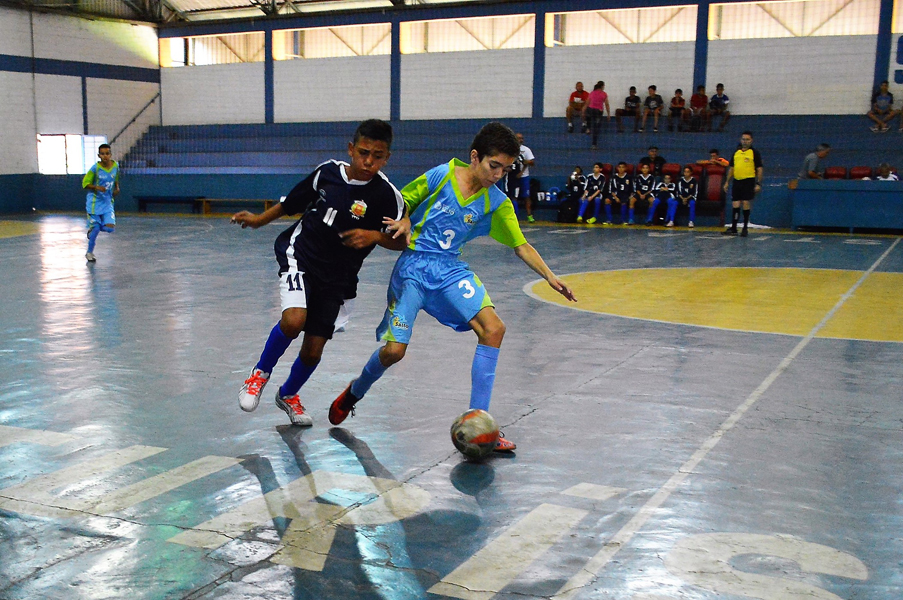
744,190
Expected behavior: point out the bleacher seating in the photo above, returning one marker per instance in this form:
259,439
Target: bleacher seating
296,148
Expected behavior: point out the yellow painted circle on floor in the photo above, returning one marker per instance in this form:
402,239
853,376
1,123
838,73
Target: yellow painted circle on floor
10,229
782,301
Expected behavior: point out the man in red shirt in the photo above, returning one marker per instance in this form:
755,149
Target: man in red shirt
577,107
699,112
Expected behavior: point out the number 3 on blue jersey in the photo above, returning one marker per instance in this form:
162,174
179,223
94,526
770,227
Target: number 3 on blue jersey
468,289
446,244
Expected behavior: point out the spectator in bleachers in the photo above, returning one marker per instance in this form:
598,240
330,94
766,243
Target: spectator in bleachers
654,161
678,111
885,173
652,105
596,107
699,110
595,187
643,189
632,108
526,160
576,107
714,159
718,105
812,167
687,193
619,192
883,109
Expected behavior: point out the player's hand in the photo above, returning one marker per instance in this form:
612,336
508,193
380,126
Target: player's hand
245,219
101,189
724,188
359,238
116,191
562,288
399,228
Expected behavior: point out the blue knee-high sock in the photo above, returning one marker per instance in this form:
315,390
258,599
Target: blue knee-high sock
92,237
608,212
482,376
692,210
652,208
631,213
672,209
623,212
275,347
583,204
299,375
598,202
373,370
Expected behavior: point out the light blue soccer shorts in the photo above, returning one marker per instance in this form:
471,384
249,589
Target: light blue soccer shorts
440,284
107,218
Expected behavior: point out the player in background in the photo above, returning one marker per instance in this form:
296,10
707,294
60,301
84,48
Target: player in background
664,192
347,209
620,191
687,193
595,187
449,205
643,189
102,183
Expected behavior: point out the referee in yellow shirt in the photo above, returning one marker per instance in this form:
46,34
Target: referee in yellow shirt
747,172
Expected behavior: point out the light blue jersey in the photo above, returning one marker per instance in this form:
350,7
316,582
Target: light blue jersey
429,275
101,202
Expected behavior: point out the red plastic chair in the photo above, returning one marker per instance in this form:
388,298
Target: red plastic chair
697,170
672,169
836,173
860,172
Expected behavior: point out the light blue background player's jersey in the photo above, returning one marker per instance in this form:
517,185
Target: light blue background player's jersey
443,221
100,202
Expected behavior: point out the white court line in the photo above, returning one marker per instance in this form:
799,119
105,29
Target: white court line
595,564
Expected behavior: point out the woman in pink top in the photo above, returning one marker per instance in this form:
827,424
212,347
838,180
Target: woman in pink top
596,107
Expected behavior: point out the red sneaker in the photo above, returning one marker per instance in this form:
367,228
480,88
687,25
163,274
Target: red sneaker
342,406
504,445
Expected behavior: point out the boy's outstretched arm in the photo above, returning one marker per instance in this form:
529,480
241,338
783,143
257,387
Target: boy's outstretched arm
249,219
531,257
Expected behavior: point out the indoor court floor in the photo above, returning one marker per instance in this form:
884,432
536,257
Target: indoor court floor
715,418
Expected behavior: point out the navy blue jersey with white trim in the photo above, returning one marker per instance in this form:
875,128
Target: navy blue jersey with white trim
644,183
621,186
687,188
594,185
331,204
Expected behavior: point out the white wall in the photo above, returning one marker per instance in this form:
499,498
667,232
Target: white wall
331,89
111,105
39,103
667,66
794,76
95,41
213,94
466,85
18,145
895,88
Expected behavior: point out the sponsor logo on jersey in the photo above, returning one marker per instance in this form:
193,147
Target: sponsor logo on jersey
358,209
397,322
442,208
469,219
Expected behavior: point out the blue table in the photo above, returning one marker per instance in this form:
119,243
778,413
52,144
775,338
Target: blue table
855,204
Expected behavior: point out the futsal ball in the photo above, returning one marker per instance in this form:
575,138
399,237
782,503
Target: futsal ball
475,433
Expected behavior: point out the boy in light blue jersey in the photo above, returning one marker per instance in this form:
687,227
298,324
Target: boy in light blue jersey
450,205
102,183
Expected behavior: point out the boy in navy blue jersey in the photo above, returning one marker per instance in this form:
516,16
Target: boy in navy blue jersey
664,192
576,186
643,189
347,209
102,183
595,186
687,193
620,191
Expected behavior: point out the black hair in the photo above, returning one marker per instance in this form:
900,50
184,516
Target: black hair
633,88
495,138
578,167
599,85
700,87
374,129
600,165
653,148
652,87
102,146
747,132
719,85
715,150
678,91
822,147
622,163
